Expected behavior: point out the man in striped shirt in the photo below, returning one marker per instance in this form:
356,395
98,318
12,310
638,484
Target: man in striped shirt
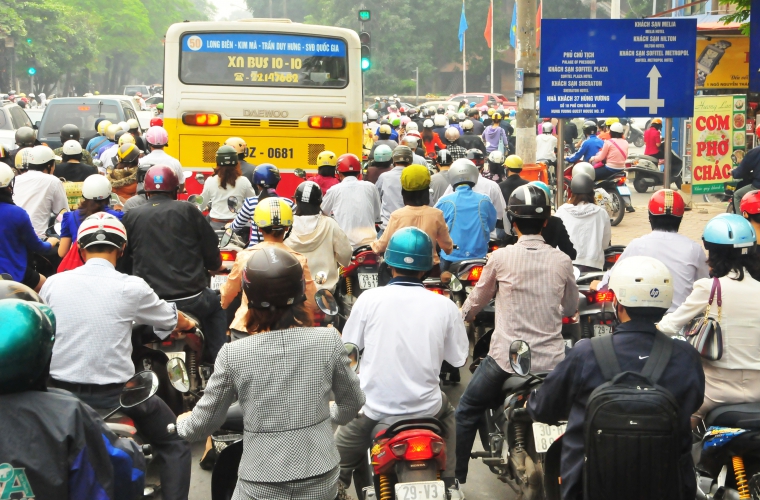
266,177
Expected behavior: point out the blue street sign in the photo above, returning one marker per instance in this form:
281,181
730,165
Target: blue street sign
754,47
617,67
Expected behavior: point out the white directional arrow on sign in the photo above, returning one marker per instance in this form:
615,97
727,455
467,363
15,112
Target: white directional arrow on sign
653,102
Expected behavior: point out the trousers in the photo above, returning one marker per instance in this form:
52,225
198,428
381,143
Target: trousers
208,309
322,487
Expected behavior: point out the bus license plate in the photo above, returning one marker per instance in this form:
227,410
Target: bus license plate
367,280
218,280
600,330
544,435
423,490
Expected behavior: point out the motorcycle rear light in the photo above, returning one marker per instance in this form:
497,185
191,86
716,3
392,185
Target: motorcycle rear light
606,296
436,447
228,255
319,317
439,291
202,119
621,181
613,258
568,320
399,449
367,258
332,122
473,274
168,342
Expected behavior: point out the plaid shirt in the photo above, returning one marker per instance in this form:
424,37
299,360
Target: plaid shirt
535,287
283,381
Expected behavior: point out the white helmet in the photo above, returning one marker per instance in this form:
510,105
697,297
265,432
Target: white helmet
451,107
463,171
642,282
496,157
124,126
440,121
428,123
461,116
411,141
6,175
467,124
101,229
96,187
617,127
584,167
133,124
547,126
412,126
40,155
71,148
371,115
452,134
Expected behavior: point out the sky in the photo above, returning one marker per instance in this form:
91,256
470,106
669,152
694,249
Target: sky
226,7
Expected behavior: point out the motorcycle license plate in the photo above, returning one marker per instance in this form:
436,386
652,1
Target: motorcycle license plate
623,190
423,490
180,355
544,435
600,330
367,280
218,280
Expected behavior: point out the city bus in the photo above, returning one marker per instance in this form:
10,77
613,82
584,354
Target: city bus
290,90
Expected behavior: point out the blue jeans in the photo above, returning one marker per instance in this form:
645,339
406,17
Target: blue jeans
604,172
481,393
207,307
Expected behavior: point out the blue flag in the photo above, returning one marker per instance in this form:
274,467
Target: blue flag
513,28
462,29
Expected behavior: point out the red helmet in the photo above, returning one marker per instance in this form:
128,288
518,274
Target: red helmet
757,131
666,202
156,122
160,179
349,163
750,203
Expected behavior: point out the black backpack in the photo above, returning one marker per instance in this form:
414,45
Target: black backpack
632,434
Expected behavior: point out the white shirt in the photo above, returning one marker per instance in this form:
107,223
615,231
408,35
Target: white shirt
41,195
493,191
218,197
355,206
588,226
545,144
159,157
107,156
404,349
94,307
388,185
684,258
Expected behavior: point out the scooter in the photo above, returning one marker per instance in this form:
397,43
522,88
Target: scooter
645,171
595,308
363,273
634,135
612,193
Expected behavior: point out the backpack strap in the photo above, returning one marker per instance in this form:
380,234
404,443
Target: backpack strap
659,357
605,355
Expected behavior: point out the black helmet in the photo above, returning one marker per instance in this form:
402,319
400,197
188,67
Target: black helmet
25,137
441,110
118,135
273,278
529,202
444,157
454,118
385,122
309,192
69,132
582,184
476,156
589,127
226,156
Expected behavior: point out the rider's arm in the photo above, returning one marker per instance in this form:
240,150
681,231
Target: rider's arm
150,310
694,305
483,292
311,287
376,206
602,154
244,216
59,201
349,397
379,245
578,154
748,164
31,241
456,346
563,238
353,332
490,213
341,245
606,231
210,412
553,401
231,288
443,238
570,296
327,203
209,242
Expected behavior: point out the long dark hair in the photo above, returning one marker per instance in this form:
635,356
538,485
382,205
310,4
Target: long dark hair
575,199
416,198
264,320
228,175
88,207
724,261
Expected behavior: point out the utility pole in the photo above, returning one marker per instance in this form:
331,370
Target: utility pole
615,9
527,60
417,86
592,8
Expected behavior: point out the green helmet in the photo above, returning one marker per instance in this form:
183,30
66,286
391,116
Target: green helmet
26,344
383,153
226,156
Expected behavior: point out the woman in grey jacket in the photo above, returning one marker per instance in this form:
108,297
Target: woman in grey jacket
282,376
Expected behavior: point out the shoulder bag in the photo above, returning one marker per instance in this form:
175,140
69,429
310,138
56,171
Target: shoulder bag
704,333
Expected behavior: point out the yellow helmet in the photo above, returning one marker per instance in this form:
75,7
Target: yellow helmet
273,212
491,111
497,116
126,139
102,126
327,159
239,144
610,121
111,131
415,178
513,162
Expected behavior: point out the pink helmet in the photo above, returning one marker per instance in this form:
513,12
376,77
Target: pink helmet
405,120
484,109
157,136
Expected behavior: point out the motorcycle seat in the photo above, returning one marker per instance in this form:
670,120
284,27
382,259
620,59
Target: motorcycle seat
457,266
389,427
515,381
234,420
745,415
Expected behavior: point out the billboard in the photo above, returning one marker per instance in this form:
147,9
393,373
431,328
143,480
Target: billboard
723,63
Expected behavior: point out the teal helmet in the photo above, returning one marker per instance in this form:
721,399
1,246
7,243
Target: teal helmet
26,343
410,248
543,186
383,153
730,231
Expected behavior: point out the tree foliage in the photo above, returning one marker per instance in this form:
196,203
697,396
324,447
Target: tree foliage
740,15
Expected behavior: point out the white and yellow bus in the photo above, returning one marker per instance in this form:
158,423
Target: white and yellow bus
289,90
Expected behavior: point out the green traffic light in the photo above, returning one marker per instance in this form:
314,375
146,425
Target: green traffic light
32,71
364,15
29,41
365,64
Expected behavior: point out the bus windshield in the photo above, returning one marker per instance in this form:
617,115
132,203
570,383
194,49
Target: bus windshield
263,60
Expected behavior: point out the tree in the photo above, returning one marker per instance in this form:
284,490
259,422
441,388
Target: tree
741,15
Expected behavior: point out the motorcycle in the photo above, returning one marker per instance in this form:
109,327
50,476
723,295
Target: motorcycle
364,271
515,446
634,135
612,192
727,196
595,308
645,171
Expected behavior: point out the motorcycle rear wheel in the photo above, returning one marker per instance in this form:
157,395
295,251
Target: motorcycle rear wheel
618,205
640,185
639,142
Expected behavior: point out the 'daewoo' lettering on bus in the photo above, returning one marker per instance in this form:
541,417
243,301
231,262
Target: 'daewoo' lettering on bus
265,113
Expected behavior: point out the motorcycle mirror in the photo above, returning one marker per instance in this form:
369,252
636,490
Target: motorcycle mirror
326,303
226,238
186,175
455,285
192,198
97,163
299,172
352,350
139,389
200,178
6,277
320,278
576,273
178,375
115,199
233,203
519,357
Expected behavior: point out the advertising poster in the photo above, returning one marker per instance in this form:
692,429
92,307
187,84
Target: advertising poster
723,63
718,140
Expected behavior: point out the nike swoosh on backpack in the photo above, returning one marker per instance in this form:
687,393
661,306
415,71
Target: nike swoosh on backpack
643,357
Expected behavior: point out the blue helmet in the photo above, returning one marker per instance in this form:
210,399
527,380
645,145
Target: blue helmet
266,175
543,186
730,231
410,248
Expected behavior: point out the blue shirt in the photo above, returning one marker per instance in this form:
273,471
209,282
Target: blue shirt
18,240
394,135
590,147
96,142
72,220
470,217
106,145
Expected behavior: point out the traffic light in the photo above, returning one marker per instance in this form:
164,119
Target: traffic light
29,41
32,71
366,51
364,15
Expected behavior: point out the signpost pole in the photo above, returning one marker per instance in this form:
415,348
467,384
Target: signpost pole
668,144
559,170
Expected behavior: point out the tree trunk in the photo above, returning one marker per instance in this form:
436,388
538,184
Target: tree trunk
67,85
